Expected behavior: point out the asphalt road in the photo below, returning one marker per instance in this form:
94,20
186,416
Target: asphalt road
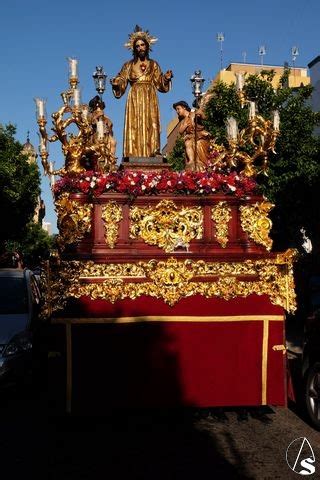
155,444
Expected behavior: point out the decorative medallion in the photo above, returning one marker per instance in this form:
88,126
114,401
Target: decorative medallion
255,221
166,225
221,215
111,215
74,220
171,280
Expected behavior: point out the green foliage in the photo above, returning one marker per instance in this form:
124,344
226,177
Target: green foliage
224,102
34,244
19,187
177,157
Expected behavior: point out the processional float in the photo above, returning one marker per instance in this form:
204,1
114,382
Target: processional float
166,278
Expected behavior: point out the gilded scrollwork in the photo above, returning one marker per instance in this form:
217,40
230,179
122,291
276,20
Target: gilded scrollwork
171,280
254,220
74,219
111,270
221,215
166,225
111,215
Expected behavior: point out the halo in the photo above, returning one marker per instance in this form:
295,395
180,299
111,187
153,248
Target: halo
139,33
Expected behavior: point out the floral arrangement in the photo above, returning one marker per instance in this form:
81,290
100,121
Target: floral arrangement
134,183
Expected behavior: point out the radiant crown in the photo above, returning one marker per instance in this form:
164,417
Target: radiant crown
139,33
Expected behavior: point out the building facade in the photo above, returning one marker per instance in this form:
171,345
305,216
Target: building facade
314,67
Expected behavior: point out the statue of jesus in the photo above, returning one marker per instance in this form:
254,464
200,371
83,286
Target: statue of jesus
142,117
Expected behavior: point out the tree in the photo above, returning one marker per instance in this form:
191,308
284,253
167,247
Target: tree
294,171
19,187
35,244
176,157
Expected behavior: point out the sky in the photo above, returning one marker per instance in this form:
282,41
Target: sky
36,37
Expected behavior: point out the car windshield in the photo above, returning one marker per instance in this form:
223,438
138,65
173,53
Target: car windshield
13,295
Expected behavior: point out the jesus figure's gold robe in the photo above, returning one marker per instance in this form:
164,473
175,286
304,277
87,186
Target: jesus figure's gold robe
141,137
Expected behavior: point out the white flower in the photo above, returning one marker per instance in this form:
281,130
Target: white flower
88,179
132,182
232,188
92,184
143,187
169,182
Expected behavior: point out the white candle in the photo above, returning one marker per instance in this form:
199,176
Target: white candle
40,104
252,110
100,129
76,97
276,120
232,128
85,113
73,67
239,81
52,179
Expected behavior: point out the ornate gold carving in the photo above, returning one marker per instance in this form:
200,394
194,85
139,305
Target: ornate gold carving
221,215
171,280
111,270
111,215
166,225
255,221
74,219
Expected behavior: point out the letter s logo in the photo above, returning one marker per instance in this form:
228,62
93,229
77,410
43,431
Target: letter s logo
310,469
300,454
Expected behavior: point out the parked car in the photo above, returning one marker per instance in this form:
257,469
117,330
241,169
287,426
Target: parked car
311,355
19,308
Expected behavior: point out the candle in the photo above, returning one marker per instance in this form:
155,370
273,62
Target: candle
41,111
85,113
232,128
239,81
276,120
76,97
252,110
52,179
100,128
73,67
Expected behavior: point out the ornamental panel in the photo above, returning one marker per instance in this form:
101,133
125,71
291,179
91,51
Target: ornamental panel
166,225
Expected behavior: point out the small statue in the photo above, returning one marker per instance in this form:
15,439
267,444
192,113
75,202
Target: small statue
102,133
142,118
196,138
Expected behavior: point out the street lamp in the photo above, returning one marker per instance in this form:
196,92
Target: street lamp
99,78
197,81
262,52
220,39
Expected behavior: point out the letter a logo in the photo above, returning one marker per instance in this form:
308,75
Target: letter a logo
300,456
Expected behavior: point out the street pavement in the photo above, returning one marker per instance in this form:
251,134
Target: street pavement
36,440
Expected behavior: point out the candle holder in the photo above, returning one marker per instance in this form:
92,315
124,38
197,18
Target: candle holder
83,150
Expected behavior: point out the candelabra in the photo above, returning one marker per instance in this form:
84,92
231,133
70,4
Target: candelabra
92,146
248,150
